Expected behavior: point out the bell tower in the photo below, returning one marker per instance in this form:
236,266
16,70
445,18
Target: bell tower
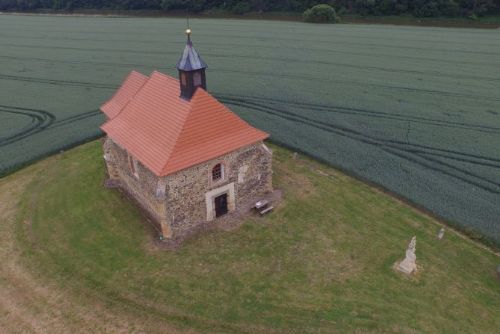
191,70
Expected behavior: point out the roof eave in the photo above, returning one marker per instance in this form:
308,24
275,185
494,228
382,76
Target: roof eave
168,171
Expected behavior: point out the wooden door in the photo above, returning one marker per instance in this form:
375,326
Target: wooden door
220,205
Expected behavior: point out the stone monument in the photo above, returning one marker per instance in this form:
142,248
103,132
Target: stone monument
408,265
441,233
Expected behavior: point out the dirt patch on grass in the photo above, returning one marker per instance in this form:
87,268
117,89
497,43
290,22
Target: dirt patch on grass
298,184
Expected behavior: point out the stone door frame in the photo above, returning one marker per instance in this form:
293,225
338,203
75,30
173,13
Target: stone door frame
212,194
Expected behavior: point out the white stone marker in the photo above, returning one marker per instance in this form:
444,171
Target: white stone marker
441,233
408,265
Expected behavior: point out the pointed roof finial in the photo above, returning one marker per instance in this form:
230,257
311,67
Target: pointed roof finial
188,27
190,60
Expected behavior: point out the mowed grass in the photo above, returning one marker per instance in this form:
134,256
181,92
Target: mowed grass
414,109
321,263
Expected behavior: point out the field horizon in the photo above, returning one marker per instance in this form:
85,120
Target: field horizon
414,110
483,22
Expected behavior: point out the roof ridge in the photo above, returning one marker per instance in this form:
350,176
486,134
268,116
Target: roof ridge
115,104
116,92
194,101
132,97
158,72
226,108
165,76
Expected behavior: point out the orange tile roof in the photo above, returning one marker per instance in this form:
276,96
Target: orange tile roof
128,89
168,134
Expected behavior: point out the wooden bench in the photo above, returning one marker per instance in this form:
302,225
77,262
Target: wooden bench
266,210
263,207
261,204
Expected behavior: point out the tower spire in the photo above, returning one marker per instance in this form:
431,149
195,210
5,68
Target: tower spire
188,28
191,69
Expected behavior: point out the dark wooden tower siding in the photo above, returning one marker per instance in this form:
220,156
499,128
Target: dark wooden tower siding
191,70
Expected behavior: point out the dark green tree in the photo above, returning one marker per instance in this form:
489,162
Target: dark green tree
421,8
321,14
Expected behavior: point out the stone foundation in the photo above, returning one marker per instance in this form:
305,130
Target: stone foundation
231,221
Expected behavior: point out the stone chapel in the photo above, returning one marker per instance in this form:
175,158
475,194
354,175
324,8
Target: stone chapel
183,156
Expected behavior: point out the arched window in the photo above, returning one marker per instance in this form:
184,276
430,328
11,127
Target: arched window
217,172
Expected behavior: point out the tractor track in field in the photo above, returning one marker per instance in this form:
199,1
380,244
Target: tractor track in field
76,118
421,155
41,120
424,156
260,46
309,78
57,82
337,63
304,36
366,112
308,61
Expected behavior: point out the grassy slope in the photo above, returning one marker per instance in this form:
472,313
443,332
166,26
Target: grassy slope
320,263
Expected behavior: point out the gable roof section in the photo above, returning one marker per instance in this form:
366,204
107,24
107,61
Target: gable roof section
167,133
127,90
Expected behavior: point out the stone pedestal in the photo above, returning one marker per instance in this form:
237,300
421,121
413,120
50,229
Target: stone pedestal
409,265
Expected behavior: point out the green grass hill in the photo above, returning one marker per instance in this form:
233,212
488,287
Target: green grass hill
79,257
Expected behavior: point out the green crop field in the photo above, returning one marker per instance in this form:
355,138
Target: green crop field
416,110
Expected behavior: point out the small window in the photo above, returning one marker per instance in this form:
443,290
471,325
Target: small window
217,172
183,79
197,79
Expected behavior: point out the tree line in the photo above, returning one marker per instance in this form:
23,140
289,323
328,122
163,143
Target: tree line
419,8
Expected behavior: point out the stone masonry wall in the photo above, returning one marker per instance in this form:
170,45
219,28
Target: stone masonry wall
177,202
249,168
143,187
